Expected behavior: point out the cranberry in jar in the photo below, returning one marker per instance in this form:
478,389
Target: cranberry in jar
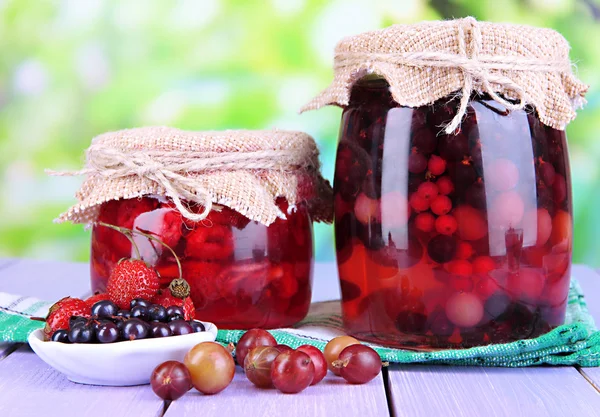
452,194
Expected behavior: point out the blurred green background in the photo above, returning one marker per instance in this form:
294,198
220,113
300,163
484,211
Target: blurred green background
70,70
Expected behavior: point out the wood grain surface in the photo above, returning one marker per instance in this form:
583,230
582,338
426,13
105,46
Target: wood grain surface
30,388
27,384
331,397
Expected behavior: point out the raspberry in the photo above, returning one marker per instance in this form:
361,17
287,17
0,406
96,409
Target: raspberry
90,301
130,209
418,203
446,224
227,216
166,299
441,205
60,313
202,277
130,279
242,280
210,243
445,185
424,222
283,280
427,190
436,165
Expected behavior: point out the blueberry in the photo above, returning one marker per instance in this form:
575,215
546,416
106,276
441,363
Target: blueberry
135,329
107,332
77,320
180,327
139,312
197,326
81,334
139,302
157,312
61,336
161,330
175,311
104,308
124,313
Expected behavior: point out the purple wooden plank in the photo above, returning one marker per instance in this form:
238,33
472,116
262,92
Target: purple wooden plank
331,397
589,279
47,280
455,391
29,387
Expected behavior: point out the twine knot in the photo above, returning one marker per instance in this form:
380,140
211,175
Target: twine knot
479,72
178,171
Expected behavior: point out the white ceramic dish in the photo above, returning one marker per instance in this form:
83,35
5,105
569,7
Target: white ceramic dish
117,364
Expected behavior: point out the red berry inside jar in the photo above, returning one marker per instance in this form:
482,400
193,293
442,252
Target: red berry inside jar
489,207
242,274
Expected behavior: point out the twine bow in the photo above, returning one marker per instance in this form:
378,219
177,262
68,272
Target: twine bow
177,171
476,68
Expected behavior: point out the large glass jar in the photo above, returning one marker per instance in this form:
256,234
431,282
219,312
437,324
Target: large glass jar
450,240
242,273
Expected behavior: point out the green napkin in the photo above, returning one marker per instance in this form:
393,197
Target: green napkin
577,342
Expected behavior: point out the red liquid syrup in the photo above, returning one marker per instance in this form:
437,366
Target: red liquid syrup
477,253
242,274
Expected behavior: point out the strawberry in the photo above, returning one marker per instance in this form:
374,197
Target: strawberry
90,301
166,299
210,243
227,216
60,313
130,279
202,277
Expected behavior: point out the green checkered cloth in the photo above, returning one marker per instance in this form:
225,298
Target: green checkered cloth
577,342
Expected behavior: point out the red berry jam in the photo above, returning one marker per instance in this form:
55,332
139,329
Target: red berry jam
450,241
242,274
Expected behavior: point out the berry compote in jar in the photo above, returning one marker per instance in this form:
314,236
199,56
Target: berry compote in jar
230,212
450,240
242,274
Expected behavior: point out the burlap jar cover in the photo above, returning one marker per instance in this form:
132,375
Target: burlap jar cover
428,61
241,169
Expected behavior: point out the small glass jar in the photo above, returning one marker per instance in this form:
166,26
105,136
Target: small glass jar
450,240
242,273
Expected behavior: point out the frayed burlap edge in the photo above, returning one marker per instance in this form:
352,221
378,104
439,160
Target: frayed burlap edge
428,61
244,170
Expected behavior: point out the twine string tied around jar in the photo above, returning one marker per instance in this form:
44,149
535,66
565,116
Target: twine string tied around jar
177,171
476,69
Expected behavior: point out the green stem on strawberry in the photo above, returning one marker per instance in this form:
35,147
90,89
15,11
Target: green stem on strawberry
129,233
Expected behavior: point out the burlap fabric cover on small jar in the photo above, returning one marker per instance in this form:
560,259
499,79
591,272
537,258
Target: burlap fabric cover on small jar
428,61
241,169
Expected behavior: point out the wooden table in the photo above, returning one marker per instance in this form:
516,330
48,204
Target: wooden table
28,387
